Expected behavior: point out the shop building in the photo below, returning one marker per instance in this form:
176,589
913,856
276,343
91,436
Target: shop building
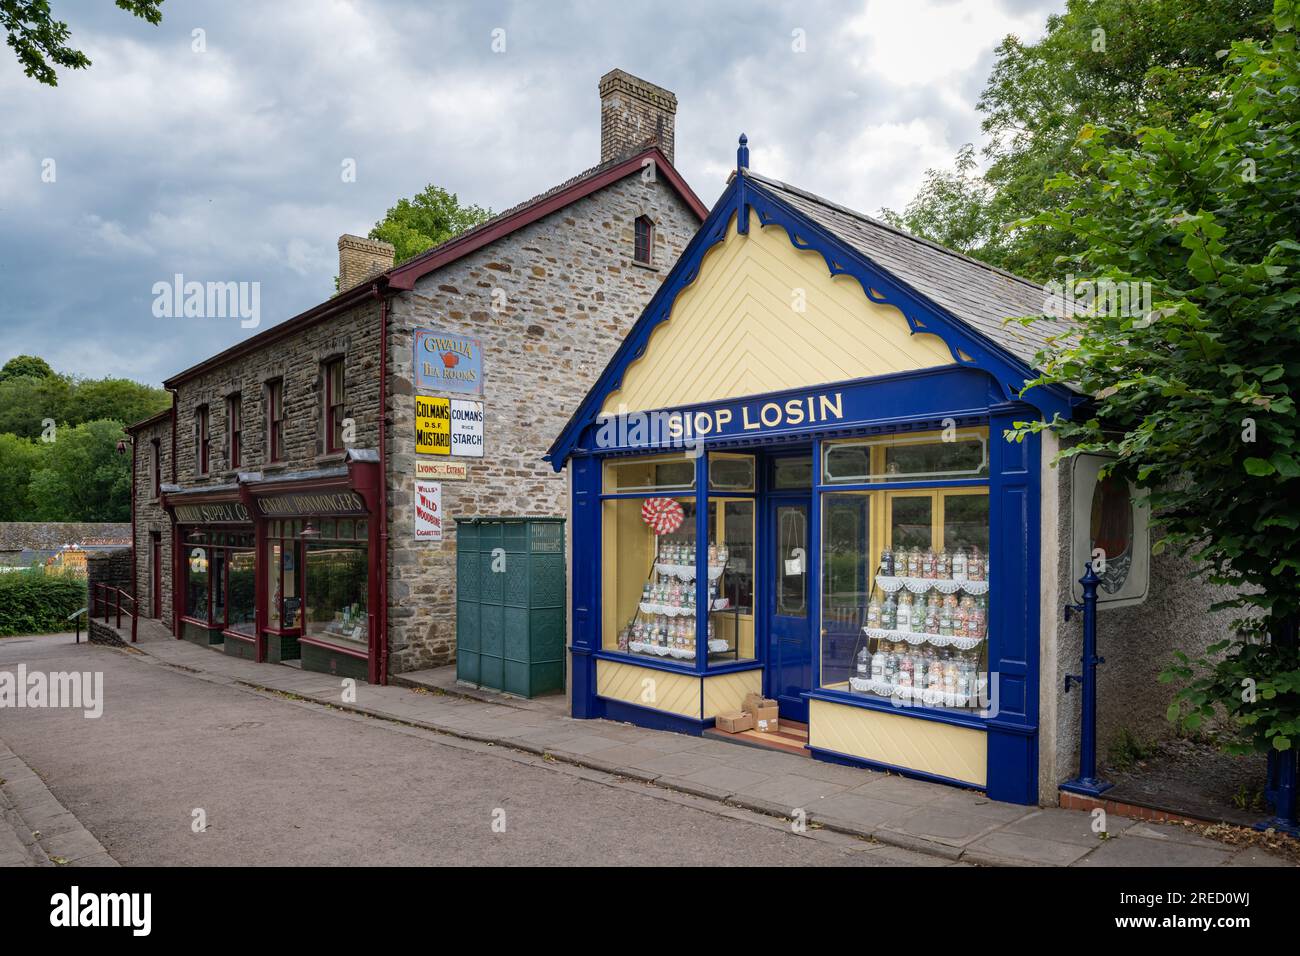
290,504
791,480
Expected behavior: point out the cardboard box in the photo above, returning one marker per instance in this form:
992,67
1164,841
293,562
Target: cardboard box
734,723
766,717
751,702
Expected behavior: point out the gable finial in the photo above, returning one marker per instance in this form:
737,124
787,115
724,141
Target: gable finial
742,153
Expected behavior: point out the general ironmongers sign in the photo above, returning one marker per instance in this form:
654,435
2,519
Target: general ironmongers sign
313,503
227,512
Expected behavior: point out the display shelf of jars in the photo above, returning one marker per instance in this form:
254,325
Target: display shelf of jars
924,640
664,622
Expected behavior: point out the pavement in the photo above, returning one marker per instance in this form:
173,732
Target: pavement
908,822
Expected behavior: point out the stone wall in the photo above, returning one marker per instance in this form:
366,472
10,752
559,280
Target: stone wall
112,568
352,335
1137,641
567,292
151,519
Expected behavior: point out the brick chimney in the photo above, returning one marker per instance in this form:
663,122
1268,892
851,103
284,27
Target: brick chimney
634,114
362,259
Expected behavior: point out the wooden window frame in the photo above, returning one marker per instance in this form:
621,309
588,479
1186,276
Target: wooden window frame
234,426
274,420
334,404
649,225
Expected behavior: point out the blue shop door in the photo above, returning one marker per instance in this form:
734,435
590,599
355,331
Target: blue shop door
790,628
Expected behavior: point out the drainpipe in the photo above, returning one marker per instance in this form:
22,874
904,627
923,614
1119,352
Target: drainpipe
382,619
135,551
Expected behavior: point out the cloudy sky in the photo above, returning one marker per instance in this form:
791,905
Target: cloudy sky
224,164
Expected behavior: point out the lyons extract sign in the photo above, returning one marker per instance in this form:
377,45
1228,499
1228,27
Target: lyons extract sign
447,363
448,426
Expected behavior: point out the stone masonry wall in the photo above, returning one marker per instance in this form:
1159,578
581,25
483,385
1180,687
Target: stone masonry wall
571,294
1137,641
353,335
150,518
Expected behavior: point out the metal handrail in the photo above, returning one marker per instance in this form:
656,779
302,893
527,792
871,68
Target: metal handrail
112,598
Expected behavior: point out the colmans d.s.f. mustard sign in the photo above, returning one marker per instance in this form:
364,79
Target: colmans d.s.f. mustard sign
447,363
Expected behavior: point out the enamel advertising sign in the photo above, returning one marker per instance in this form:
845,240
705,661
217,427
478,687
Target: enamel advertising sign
447,363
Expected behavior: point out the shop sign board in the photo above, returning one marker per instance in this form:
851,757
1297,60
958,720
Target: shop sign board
428,511
441,470
448,426
448,363
313,503
795,411
432,425
466,428
227,512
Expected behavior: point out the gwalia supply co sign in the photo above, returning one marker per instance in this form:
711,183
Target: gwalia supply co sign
448,363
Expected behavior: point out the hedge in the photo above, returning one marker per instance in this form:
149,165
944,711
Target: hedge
33,602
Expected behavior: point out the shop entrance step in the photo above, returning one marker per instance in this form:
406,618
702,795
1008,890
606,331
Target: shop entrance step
792,737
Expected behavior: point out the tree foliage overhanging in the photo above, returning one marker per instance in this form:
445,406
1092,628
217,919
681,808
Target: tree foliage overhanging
1194,397
1114,63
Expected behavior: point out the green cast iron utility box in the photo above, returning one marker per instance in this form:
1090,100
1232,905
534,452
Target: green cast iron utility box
510,604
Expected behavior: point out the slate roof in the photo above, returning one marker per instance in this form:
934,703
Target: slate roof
976,293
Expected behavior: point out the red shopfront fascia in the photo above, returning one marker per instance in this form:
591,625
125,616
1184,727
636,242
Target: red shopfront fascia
351,492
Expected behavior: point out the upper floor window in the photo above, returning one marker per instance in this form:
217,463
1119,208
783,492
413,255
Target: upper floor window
645,240
155,464
202,442
334,405
234,422
275,419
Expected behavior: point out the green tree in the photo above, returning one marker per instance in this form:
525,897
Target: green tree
26,366
428,219
117,398
28,405
1194,398
81,477
18,458
41,42
1114,63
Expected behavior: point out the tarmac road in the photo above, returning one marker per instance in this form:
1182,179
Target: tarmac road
286,782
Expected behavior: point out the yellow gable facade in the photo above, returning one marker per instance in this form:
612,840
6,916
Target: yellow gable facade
763,316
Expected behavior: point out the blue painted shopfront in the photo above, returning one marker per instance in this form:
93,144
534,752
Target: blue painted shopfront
784,429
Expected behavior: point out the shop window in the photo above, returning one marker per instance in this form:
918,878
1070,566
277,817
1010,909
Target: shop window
234,416
644,241
337,584
731,591
202,440
905,595
731,472
275,419
334,399
218,579
661,473
649,603
196,582
925,457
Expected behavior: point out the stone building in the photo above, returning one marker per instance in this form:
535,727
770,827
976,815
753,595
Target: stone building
275,504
